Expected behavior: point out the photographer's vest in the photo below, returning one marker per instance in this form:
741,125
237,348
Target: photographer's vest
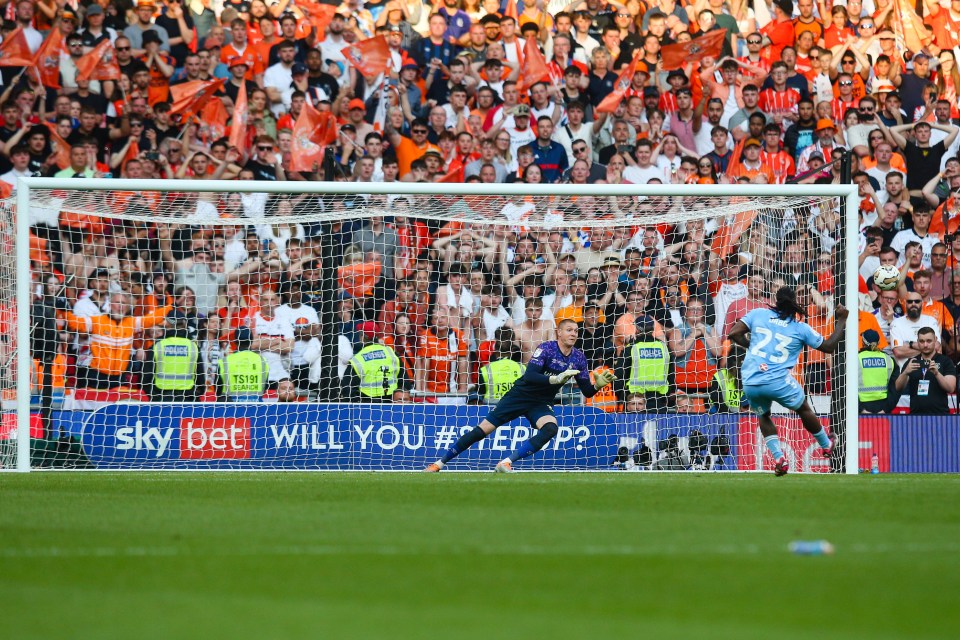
175,362
604,399
731,394
243,375
649,364
378,368
499,377
876,367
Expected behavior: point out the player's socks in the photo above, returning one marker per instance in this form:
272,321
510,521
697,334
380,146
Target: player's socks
535,443
463,443
773,444
822,438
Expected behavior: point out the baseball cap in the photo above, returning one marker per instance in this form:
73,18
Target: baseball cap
66,14
883,86
611,260
651,91
94,10
410,65
676,73
751,142
298,68
432,152
393,28
368,329
357,103
151,35
870,336
236,61
100,273
644,324
521,110
176,316
825,123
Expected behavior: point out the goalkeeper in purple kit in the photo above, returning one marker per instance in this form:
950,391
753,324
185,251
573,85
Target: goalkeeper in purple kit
552,366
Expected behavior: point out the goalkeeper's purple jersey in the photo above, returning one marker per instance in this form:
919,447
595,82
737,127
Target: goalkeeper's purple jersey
548,361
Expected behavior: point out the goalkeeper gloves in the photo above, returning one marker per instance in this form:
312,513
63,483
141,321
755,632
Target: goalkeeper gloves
563,378
604,378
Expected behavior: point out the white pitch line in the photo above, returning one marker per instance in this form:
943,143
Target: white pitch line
396,551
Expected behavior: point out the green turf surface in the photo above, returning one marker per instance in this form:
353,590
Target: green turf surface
284,555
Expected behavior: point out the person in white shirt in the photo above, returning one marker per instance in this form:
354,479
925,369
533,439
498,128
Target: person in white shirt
332,46
643,171
919,234
20,157
273,336
903,330
306,329
277,77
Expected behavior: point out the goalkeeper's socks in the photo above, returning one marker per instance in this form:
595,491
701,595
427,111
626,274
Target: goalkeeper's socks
822,438
535,443
773,444
465,441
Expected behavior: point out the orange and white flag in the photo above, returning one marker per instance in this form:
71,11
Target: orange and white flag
99,64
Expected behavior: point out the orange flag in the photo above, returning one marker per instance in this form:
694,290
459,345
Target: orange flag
312,131
238,126
132,152
910,31
99,64
674,56
60,147
318,16
727,235
511,10
534,67
15,52
371,56
624,80
213,121
456,175
190,97
47,59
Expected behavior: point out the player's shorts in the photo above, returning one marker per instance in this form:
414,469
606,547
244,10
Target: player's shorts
787,392
511,407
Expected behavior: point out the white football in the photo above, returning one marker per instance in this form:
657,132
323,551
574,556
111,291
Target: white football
887,277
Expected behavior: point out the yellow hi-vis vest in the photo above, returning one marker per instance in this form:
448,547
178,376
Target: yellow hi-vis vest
175,364
378,368
731,394
649,364
876,367
499,376
243,373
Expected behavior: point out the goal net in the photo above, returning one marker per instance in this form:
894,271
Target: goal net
346,326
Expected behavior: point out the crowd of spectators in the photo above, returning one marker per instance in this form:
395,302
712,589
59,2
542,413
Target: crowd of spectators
793,85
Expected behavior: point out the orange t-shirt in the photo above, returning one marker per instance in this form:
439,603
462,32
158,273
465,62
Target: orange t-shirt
408,151
440,355
250,55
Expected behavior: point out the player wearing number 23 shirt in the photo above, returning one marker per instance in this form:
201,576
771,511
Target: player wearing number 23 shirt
553,365
776,337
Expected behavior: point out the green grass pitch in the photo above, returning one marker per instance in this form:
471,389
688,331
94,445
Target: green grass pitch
358,555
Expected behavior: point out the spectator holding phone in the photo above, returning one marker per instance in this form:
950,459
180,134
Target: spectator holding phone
928,377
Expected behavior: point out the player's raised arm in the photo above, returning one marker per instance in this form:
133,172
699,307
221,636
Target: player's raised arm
739,334
840,322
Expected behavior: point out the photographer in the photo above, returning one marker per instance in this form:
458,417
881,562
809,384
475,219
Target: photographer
929,377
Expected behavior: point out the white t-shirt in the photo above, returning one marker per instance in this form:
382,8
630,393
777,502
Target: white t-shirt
636,175
903,331
301,316
900,241
276,327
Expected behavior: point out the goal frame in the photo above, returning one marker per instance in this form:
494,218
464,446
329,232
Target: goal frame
25,186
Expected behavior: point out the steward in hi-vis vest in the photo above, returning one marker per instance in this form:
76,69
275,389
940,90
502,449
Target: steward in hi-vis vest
173,371
242,375
726,390
646,367
873,379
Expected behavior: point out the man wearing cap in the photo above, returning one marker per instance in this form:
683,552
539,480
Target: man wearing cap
521,133
374,372
824,145
238,76
750,166
94,33
356,115
277,77
144,23
876,369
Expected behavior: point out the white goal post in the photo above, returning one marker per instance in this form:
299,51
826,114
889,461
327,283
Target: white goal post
716,201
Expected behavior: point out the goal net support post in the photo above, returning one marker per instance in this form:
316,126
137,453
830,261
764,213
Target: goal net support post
517,209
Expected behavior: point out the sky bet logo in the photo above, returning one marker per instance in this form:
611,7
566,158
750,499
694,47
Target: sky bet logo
200,439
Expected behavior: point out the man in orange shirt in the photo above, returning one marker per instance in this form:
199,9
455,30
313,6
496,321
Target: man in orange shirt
242,49
441,364
111,340
409,149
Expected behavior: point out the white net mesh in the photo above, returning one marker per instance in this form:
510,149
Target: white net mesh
174,329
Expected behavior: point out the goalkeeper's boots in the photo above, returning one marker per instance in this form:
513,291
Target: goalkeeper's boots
505,466
781,466
828,451
433,467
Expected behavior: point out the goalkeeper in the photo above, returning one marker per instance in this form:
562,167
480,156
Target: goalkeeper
553,364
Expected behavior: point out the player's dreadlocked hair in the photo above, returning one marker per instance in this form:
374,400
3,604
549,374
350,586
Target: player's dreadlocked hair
786,305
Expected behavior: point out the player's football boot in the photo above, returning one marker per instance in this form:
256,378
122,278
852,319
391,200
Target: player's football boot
505,466
433,467
828,451
781,466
